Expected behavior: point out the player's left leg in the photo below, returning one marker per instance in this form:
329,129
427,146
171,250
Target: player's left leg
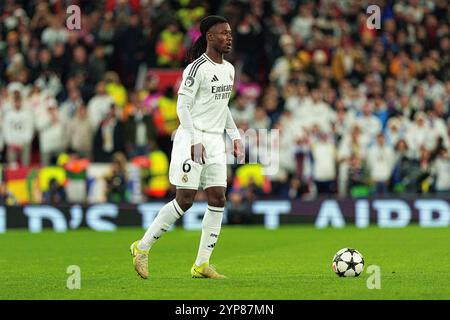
211,226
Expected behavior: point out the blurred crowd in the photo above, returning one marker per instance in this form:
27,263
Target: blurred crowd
360,111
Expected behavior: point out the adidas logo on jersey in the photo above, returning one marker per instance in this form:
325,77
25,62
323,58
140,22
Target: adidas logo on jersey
215,78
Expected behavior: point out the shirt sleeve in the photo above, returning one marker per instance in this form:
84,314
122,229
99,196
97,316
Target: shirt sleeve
190,83
184,104
230,127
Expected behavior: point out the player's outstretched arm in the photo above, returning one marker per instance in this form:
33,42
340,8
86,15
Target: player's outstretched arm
233,133
184,103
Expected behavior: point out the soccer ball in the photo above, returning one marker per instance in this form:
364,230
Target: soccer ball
348,262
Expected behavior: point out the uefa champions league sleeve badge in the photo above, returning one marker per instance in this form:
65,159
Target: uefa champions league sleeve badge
189,82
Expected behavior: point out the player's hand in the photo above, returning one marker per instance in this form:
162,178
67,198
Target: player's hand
238,150
198,153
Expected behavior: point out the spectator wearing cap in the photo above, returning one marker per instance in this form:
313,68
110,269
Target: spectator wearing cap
52,128
18,128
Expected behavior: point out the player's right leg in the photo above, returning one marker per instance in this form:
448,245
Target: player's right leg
166,217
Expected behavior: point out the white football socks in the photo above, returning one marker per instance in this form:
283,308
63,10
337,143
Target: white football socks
212,222
166,217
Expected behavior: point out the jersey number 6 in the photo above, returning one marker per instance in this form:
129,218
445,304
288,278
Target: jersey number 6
186,166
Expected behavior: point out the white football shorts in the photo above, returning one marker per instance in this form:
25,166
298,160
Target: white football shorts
186,174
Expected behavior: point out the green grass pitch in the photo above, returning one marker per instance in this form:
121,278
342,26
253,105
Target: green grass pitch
292,262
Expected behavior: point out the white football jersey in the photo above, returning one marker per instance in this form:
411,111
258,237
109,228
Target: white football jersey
210,85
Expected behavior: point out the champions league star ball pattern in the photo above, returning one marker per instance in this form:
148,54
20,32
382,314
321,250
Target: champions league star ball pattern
348,262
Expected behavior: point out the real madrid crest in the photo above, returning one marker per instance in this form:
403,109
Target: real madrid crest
184,178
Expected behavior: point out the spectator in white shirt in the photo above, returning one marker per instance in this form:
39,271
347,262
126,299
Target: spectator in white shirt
405,83
318,113
437,126
49,83
54,33
18,129
369,123
442,168
324,164
80,133
434,89
344,119
352,143
353,98
99,105
69,108
302,23
380,161
394,131
418,134
52,129
419,100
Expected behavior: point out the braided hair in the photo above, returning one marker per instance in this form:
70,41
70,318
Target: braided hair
199,47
